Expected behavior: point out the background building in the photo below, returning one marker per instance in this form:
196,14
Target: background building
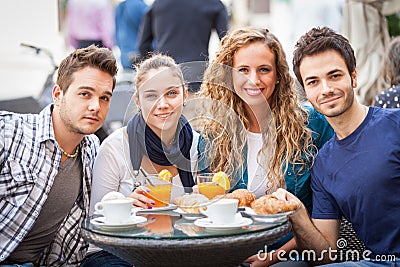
40,22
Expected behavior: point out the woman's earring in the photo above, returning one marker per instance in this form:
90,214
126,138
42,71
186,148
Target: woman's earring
139,110
184,104
277,82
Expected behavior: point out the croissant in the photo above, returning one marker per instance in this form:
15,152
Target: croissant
270,204
244,196
190,203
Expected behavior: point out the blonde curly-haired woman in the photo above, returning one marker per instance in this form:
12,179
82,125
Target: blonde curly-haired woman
256,129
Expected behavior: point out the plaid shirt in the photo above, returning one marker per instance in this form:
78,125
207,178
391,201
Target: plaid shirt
29,161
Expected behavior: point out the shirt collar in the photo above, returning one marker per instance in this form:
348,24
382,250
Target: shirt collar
44,125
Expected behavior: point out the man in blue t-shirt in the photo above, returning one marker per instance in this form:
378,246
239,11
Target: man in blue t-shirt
356,175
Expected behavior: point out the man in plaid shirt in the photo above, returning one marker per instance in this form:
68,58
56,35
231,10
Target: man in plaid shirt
46,163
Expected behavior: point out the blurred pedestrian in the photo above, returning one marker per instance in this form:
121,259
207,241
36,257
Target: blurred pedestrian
128,16
182,28
90,22
391,73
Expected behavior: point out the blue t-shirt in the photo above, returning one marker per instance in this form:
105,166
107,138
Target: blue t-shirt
358,178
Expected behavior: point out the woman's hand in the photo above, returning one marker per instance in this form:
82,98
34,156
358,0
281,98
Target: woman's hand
140,200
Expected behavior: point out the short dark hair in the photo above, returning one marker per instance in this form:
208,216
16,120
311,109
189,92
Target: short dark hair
92,56
319,40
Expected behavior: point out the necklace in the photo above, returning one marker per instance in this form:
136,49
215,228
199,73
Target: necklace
71,155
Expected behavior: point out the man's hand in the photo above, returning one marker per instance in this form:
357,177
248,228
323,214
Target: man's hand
283,194
260,260
318,235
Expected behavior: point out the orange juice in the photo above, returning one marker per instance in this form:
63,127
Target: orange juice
160,193
161,224
210,189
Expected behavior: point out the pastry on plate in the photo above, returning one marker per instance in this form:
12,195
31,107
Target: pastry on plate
244,196
190,203
270,204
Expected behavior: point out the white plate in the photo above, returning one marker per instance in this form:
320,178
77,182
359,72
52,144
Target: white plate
187,215
208,224
100,223
101,213
267,218
169,207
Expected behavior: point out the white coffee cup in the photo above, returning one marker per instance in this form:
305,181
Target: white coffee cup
222,211
115,211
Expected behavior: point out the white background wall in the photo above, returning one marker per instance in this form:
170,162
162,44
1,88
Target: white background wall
22,73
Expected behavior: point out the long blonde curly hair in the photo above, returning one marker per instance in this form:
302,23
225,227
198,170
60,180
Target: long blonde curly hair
228,123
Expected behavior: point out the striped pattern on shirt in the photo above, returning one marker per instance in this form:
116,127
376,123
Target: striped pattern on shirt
29,161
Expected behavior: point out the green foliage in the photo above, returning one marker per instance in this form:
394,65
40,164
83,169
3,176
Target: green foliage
394,24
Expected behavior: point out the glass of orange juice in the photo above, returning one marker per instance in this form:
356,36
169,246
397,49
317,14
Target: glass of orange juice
160,191
207,187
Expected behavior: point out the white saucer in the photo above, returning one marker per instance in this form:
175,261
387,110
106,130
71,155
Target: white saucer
267,218
187,215
101,213
134,220
208,224
169,207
